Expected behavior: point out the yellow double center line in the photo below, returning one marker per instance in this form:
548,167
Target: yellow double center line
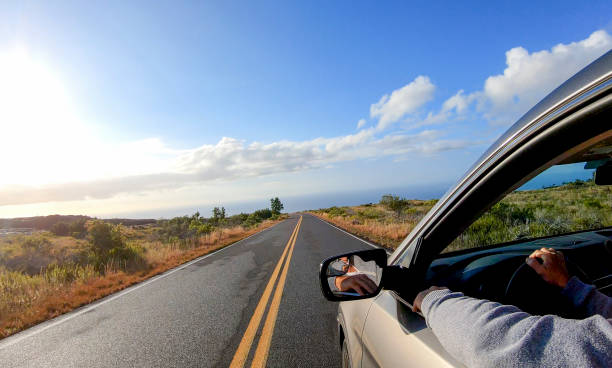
263,347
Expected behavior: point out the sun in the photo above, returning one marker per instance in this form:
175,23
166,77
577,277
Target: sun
37,121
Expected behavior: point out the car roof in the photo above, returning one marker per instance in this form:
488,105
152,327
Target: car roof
593,77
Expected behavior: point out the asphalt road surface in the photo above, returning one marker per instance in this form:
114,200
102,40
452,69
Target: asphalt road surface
238,306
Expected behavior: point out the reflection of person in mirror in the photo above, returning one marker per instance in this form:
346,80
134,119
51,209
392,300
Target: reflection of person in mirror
347,264
359,283
354,280
481,333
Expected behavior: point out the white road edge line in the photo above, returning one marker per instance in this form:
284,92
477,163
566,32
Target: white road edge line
35,330
346,232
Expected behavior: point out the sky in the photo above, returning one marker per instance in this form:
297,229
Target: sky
128,109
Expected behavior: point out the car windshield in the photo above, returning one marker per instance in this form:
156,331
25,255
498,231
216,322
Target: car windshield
562,199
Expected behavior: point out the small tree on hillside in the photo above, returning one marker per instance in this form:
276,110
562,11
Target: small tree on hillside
78,229
60,229
276,206
218,215
104,237
394,203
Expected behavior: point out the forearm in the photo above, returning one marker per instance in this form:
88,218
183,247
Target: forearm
482,333
588,299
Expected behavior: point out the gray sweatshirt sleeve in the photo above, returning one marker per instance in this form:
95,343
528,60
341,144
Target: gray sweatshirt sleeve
588,299
480,333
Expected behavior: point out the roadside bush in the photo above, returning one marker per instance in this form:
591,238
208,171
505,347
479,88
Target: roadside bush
370,213
488,229
104,237
109,248
511,213
36,242
67,273
202,229
335,211
236,220
394,203
78,229
129,256
258,216
177,228
262,214
593,203
60,229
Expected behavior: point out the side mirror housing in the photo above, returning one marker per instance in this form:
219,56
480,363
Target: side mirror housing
353,276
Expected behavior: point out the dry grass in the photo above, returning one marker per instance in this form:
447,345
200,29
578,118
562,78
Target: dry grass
29,296
386,234
575,206
375,222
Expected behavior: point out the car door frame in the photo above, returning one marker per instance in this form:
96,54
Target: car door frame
550,131
570,119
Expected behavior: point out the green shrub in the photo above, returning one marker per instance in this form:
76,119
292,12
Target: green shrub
78,229
67,273
129,254
104,237
394,203
60,229
593,203
36,242
371,213
335,211
263,214
178,228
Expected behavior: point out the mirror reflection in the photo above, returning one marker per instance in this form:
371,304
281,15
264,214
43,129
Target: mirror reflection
353,276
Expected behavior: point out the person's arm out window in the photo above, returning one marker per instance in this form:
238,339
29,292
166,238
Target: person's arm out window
481,333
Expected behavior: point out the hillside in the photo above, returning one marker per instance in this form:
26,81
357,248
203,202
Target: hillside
68,261
575,206
47,222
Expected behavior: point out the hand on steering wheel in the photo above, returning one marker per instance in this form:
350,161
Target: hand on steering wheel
550,265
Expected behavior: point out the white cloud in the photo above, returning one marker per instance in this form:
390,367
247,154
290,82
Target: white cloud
459,102
232,159
406,100
529,77
48,170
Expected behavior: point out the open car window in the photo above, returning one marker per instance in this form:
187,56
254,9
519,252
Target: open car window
562,199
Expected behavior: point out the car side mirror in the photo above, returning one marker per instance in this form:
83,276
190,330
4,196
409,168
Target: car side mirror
352,276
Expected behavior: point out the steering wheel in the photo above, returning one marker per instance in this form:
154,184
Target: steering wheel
529,292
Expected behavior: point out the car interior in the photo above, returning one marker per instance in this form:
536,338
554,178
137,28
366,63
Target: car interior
498,272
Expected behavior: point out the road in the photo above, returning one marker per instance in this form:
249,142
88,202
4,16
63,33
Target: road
205,313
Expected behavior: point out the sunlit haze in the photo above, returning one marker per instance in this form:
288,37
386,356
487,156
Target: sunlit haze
111,111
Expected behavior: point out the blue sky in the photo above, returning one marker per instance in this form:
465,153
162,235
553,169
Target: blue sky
180,105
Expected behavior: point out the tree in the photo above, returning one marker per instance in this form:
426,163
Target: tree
205,229
60,229
276,206
105,237
394,203
78,229
218,215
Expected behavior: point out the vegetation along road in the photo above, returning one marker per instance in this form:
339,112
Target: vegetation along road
255,303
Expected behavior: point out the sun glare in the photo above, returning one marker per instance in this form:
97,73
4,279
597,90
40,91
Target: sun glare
37,122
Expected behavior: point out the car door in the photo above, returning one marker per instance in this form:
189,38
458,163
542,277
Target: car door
394,336
569,119
352,323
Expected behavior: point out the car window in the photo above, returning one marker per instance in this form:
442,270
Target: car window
561,199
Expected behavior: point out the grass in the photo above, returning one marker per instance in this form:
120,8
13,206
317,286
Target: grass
376,222
44,275
576,206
